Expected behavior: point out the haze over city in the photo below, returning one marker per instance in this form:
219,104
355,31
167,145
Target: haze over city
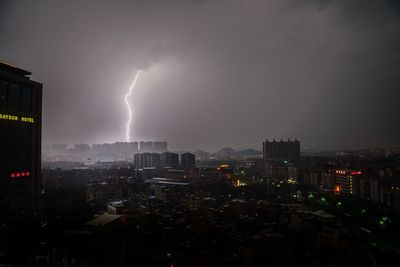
199,133
215,73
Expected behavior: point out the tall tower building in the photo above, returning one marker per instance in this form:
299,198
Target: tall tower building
20,163
20,141
147,160
281,150
160,147
169,159
188,160
146,146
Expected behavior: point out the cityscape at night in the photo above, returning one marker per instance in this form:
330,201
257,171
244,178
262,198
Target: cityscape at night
199,133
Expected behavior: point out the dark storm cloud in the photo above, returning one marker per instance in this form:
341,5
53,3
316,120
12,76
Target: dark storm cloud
217,73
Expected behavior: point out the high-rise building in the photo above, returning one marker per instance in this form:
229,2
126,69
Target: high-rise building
123,150
59,148
82,148
133,147
281,150
146,146
169,159
160,147
116,151
147,160
20,141
346,181
187,160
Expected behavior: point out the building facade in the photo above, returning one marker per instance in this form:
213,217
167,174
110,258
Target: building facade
157,146
170,160
160,147
281,150
147,160
146,146
188,160
20,141
346,181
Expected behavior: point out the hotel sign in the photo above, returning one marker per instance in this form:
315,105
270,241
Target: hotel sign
16,118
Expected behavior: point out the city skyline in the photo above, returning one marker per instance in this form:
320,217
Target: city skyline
199,133
215,73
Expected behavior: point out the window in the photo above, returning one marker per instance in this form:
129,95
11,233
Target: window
35,102
14,95
3,94
26,100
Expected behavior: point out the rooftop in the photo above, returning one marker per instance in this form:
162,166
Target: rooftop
13,69
103,219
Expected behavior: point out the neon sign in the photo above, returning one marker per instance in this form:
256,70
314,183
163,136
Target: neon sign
347,172
16,118
19,174
27,119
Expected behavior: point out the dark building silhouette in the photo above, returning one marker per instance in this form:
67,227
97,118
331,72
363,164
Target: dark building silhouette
20,141
169,159
281,150
147,160
187,160
20,164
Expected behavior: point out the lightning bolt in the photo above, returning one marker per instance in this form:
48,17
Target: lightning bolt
131,88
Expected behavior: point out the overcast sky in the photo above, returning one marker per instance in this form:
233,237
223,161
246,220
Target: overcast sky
216,73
